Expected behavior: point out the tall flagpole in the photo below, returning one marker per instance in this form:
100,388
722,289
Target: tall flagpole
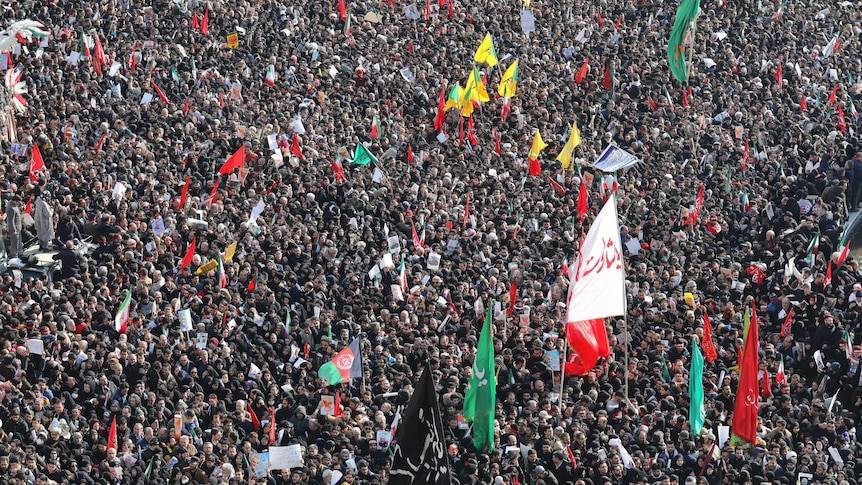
625,320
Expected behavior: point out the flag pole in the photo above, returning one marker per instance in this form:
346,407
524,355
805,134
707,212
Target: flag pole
627,336
563,363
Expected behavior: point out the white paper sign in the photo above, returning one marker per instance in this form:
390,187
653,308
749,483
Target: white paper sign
528,22
285,457
723,435
119,191
147,98
634,246
36,346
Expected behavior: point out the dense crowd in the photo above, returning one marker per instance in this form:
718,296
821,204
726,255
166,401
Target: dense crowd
776,154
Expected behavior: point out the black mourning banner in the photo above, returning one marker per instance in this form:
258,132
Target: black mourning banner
420,449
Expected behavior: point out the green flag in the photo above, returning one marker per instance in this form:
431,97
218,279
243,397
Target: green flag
481,397
696,410
665,373
685,16
361,156
149,468
746,320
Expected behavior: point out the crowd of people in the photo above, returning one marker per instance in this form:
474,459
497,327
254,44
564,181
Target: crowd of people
766,125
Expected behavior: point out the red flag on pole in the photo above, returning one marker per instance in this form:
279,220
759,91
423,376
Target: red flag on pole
842,122
417,243
803,103
778,75
559,189
190,254
195,21
766,388
409,153
36,163
497,148
709,352
588,340
466,213
441,110
251,414
513,296
451,8
214,192
338,170
471,132
787,326
159,92
112,434
235,161
582,201
832,95
652,103
205,23
272,426
185,193
535,167
599,17
342,11
461,130
295,148
427,9
582,73
695,212
745,409
337,403
606,79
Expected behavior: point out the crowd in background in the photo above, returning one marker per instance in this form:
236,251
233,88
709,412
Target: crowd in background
775,153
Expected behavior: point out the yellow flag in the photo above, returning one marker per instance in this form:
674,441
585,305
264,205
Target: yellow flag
207,267
454,99
509,84
538,146
230,251
475,88
486,52
565,156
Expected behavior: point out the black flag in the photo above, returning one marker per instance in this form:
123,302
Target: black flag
420,450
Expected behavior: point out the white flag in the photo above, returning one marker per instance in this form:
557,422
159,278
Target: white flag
626,458
598,286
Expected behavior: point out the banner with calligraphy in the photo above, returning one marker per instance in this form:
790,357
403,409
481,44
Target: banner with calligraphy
598,288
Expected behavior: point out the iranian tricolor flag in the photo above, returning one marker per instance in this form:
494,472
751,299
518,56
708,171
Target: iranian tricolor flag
746,202
812,249
403,277
844,249
270,75
121,320
780,376
375,127
222,277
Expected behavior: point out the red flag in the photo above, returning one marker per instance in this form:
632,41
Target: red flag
451,8
338,170
461,130
101,142
746,156
342,11
832,95
159,92
272,426
652,103
606,80
427,9
36,163
132,62
254,421
513,296
409,153
828,279
599,17
306,350
186,107
190,254
569,448
842,123
787,326
185,193
252,284
778,75
535,167
441,110
766,388
582,201
28,209
497,148
98,59
221,100
295,148
559,189
780,376
337,403
205,23
515,478
695,212
845,251
803,103
685,97
582,73
235,161
195,21
471,132
466,213
214,192
709,352
619,21
744,423
588,340
417,243
112,434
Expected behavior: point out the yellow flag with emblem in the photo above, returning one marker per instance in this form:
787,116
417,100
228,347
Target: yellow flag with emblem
486,52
